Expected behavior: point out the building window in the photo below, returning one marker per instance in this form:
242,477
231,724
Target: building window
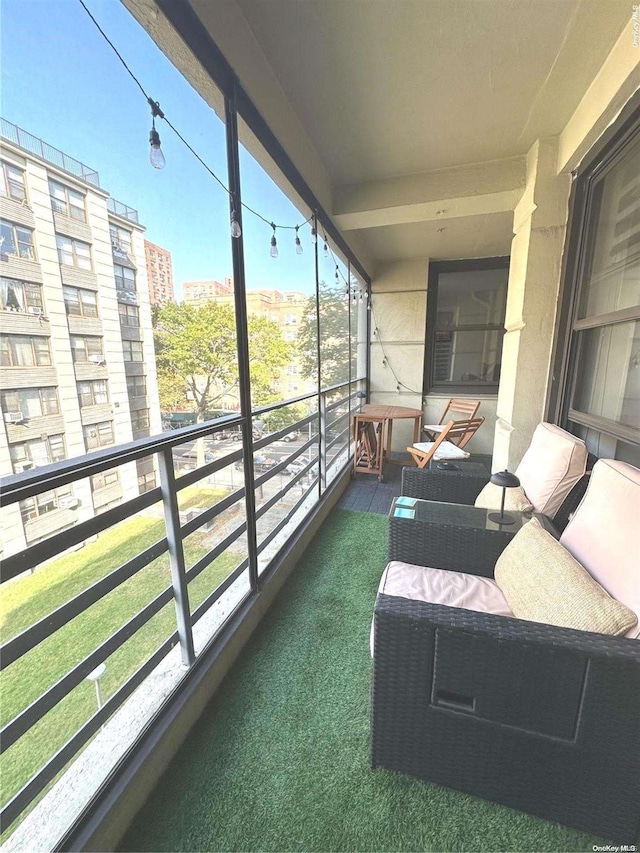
79,302
136,386
67,201
12,182
98,435
104,480
292,369
30,402
140,419
93,393
125,278
466,302
73,253
21,296
599,398
33,508
292,386
132,350
38,451
16,240
87,348
120,239
23,351
289,320
146,475
129,315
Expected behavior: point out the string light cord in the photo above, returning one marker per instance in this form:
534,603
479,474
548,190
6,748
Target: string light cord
385,361
157,112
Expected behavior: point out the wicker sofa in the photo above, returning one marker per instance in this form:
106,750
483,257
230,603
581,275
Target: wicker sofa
551,472
541,718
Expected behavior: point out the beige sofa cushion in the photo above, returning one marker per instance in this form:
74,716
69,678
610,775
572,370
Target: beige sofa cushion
438,586
542,581
515,499
552,465
604,533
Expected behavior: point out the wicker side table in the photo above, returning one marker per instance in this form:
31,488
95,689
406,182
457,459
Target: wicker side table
461,484
430,533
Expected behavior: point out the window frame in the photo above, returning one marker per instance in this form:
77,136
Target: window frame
15,227
127,311
8,340
74,253
429,387
7,182
134,380
91,393
85,339
100,430
127,352
121,278
565,360
43,404
69,192
81,297
29,288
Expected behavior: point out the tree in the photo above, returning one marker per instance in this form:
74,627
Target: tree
334,337
196,356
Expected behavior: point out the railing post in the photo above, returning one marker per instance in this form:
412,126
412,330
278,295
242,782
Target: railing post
322,445
176,555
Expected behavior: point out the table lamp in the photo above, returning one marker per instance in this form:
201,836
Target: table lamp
506,480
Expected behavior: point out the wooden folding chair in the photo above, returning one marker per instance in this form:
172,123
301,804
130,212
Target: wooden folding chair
456,433
368,435
461,406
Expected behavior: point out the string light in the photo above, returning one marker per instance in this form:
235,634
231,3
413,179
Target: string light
236,231
385,361
314,234
398,387
274,242
156,157
298,243
325,248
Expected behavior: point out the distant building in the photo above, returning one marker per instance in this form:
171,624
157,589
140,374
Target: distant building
286,308
196,292
77,359
159,274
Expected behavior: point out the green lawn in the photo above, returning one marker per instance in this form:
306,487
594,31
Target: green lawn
31,598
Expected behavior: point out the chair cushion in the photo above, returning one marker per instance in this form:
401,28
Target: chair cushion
447,450
603,532
542,581
552,465
439,586
515,499
434,427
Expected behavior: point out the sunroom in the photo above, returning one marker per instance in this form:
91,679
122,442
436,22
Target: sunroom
186,666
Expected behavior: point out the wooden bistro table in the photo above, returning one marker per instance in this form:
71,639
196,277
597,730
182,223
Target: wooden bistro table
389,414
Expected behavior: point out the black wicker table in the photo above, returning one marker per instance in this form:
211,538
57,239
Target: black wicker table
417,527
455,482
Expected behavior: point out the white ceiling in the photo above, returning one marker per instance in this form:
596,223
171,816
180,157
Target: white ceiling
387,88
391,87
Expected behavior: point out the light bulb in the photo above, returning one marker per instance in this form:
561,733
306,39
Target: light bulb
156,157
298,243
314,235
236,231
274,247
325,250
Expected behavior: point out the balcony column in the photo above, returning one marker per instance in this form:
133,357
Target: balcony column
540,223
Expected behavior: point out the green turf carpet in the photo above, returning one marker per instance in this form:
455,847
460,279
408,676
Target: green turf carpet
280,760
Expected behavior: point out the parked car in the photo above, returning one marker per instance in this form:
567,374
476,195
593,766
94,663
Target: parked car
260,464
295,467
292,436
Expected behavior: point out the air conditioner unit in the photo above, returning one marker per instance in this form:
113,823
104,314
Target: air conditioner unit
14,417
67,502
38,312
23,466
97,359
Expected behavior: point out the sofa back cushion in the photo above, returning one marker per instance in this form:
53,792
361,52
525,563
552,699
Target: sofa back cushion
604,533
543,582
552,465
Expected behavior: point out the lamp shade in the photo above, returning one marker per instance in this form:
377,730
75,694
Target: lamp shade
505,479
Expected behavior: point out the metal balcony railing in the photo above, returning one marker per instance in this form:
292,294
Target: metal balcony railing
311,466
47,152
122,209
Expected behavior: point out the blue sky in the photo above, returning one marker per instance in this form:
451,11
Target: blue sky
62,82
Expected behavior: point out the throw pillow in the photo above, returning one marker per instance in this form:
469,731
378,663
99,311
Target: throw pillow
543,582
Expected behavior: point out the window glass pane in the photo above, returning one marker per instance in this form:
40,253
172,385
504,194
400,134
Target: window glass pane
612,279
608,383
471,297
334,290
